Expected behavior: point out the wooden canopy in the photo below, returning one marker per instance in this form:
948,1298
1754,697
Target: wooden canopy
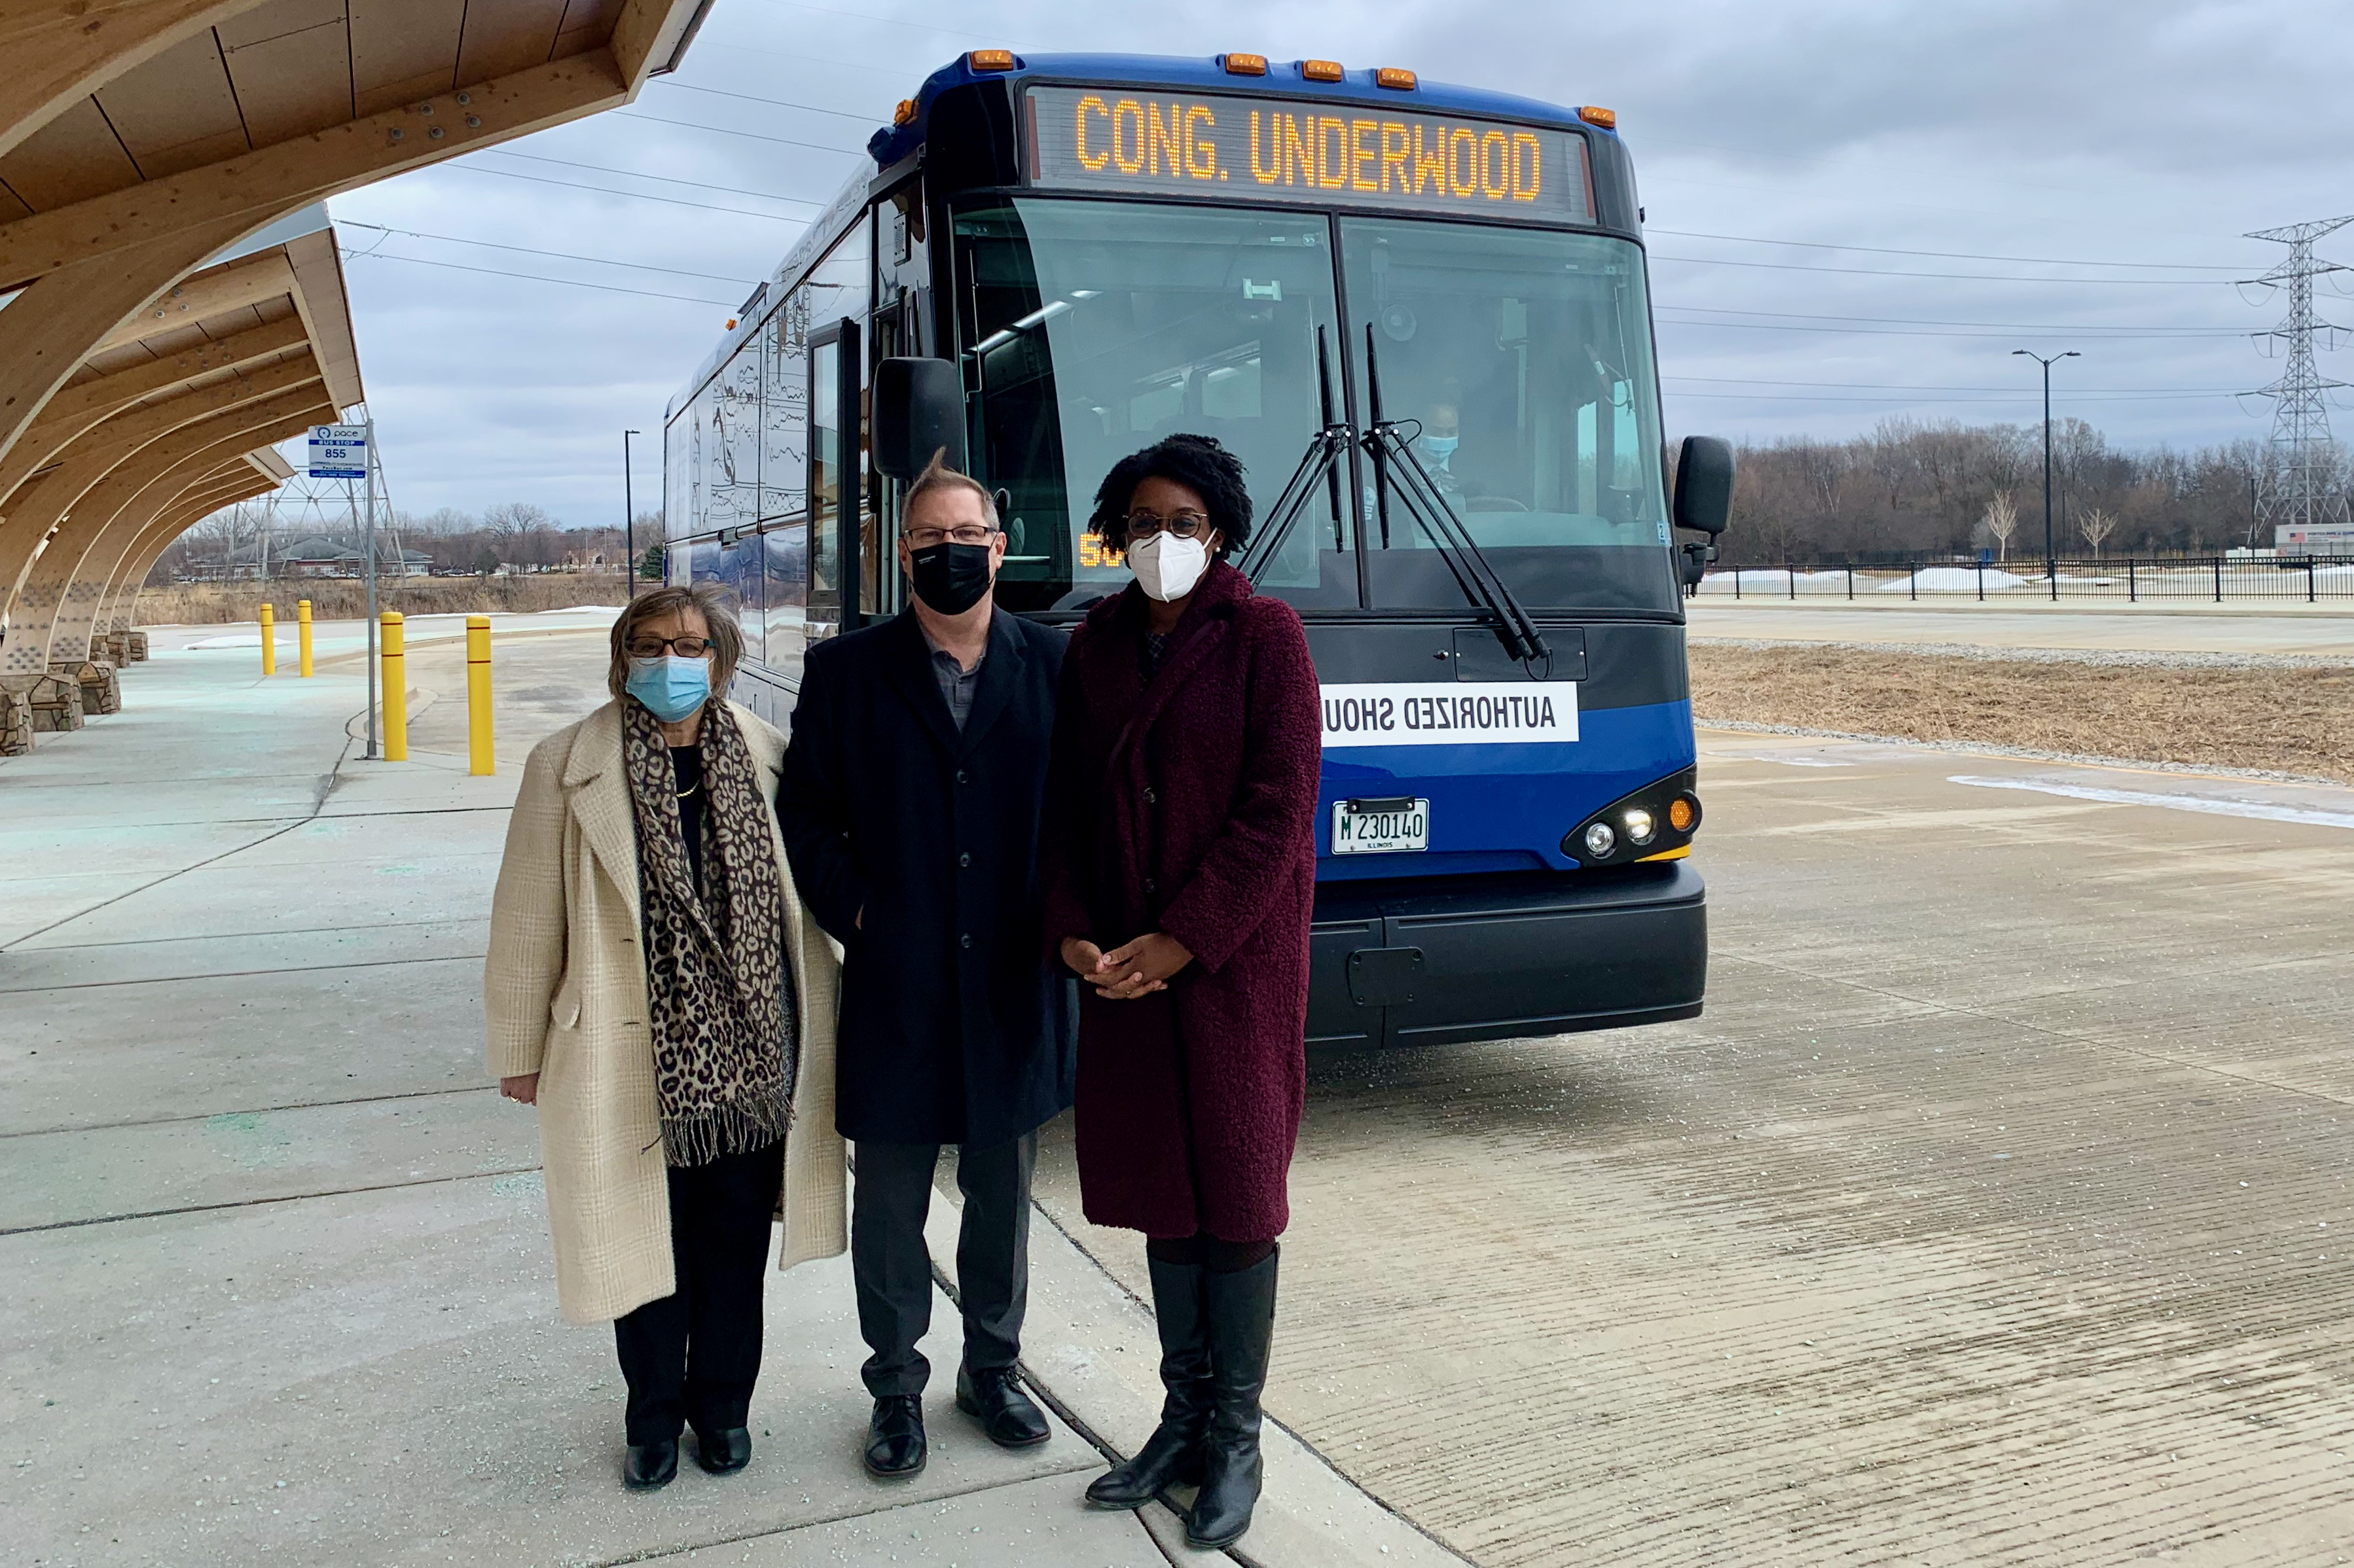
174,305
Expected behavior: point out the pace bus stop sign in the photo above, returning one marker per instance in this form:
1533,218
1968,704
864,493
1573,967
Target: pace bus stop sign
338,452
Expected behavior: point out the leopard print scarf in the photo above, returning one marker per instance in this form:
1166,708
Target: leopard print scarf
725,1048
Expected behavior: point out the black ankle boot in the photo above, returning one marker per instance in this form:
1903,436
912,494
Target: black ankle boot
1172,1454
1241,1317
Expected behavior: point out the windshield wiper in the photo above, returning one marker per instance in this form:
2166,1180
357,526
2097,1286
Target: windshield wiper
1322,460
1474,573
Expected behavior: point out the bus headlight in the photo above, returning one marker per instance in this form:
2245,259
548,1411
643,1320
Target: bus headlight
1640,828
1600,841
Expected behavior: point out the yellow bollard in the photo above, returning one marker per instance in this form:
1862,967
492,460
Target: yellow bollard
481,756
269,640
302,632
395,691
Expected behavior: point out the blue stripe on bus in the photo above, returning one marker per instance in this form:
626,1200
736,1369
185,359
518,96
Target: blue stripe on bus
1504,808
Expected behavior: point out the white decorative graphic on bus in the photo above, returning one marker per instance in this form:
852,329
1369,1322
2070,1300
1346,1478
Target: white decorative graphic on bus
1406,714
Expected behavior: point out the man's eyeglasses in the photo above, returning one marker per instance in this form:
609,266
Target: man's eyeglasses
1185,525
654,647
964,533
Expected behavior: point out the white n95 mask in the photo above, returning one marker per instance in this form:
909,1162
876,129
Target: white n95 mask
1166,566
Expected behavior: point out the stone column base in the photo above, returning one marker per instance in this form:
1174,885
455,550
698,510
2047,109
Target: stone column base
135,644
57,703
102,689
16,723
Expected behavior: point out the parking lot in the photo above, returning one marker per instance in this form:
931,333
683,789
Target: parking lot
1990,1215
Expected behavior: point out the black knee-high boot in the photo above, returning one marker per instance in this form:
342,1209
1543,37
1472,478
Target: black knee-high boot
1172,1454
1242,1331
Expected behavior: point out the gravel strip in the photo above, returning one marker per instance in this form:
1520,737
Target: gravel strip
2034,754
2128,658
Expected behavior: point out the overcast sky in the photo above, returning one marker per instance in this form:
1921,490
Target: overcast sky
1856,209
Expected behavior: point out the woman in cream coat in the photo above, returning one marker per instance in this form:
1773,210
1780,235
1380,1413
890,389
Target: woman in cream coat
679,1115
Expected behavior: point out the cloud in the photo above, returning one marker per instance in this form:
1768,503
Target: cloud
2152,132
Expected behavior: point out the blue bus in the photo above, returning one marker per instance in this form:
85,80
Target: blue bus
1419,314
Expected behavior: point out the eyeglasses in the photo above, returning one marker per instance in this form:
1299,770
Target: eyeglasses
654,647
962,534
1185,525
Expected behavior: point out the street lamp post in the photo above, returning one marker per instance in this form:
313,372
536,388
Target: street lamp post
628,514
2050,559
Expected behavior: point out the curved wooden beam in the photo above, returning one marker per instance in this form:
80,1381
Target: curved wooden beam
125,442
59,54
76,408
166,469
118,607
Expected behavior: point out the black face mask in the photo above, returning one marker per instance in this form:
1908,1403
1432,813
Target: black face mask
950,577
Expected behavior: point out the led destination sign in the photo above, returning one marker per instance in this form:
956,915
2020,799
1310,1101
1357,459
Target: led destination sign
1246,148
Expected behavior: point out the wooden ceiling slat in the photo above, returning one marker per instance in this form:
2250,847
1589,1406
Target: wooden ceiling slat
177,112
403,50
291,63
279,19
507,36
586,24
72,158
11,209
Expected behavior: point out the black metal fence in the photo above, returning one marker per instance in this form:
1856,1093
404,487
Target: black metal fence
2213,579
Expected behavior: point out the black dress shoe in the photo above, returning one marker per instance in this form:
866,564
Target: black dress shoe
895,1437
1004,1412
724,1453
648,1467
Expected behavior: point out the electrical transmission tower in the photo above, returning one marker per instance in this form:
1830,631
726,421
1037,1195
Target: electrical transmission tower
2302,490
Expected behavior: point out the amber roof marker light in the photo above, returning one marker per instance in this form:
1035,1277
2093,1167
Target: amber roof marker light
989,59
905,113
1396,77
1606,118
1243,65
1322,70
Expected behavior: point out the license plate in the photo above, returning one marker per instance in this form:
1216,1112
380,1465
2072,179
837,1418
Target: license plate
1381,827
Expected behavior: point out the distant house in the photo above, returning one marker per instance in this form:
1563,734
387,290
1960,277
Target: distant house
323,555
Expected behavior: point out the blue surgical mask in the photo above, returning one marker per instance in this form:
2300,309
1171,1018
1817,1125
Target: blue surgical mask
670,686
1441,447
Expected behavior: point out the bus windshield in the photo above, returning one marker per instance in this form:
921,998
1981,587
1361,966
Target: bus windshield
1517,363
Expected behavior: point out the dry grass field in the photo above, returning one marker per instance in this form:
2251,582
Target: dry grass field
2271,718
335,599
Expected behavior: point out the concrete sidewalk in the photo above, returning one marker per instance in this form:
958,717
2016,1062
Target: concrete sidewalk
274,1275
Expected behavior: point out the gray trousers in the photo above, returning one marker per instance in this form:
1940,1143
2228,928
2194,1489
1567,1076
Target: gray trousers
891,1194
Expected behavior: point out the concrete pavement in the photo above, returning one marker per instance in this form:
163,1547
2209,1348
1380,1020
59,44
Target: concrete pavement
1995,1212
2322,632
274,1281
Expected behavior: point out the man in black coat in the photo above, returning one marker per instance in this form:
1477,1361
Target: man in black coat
911,802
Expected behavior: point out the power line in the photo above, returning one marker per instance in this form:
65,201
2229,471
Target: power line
2006,391
778,102
662,179
553,255
1929,321
723,131
633,195
1916,332
1965,277
1951,255
533,276
886,21
2028,401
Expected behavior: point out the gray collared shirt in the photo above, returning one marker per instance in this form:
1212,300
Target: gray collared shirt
957,683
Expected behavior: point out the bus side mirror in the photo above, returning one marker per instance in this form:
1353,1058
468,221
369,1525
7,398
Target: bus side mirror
1704,485
918,410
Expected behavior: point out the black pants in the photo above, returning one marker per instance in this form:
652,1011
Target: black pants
693,1355
893,1269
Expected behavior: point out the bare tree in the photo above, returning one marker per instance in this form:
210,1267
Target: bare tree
2001,520
2096,525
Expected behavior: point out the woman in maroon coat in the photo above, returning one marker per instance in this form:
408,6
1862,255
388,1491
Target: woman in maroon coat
1181,878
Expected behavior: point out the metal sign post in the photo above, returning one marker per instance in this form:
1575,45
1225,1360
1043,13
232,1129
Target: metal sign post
343,451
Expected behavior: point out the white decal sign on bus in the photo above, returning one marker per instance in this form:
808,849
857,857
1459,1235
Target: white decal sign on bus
1465,713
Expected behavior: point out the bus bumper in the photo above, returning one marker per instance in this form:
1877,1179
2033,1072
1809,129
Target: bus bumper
1431,963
